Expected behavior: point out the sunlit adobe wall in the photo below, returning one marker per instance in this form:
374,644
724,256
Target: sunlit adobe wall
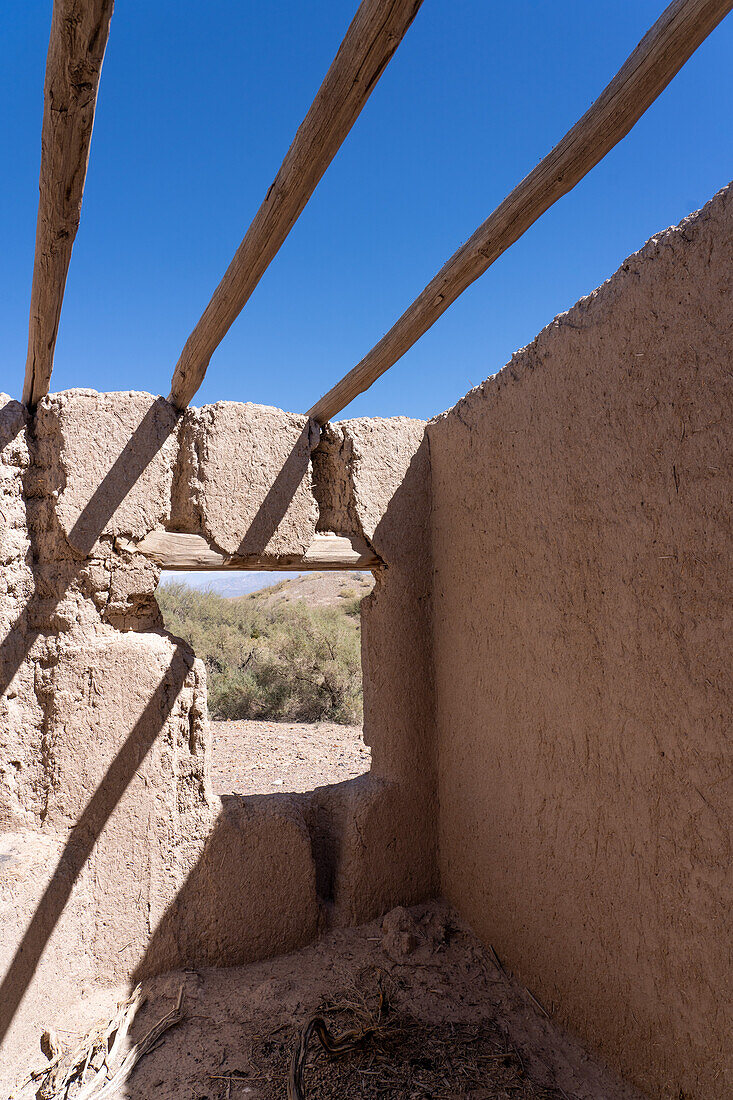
583,548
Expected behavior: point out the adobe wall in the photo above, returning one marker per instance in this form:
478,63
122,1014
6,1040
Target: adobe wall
583,646
116,859
562,537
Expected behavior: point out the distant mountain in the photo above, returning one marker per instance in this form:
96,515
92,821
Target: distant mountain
227,583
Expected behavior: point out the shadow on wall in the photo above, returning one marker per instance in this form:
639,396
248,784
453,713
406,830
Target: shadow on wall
138,453
270,871
16,647
277,499
34,621
85,834
264,883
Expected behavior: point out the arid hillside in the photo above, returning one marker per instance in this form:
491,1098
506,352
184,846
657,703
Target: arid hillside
332,589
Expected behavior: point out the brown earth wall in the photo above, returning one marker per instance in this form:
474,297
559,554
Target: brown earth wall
583,645
546,656
116,859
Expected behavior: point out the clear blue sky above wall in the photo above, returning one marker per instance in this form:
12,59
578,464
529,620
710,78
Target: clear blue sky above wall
199,103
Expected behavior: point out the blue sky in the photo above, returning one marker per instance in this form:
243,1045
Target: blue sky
199,103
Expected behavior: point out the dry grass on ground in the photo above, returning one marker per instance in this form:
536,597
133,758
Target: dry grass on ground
455,1026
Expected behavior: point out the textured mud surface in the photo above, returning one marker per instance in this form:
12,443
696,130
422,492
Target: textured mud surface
281,757
452,1024
583,678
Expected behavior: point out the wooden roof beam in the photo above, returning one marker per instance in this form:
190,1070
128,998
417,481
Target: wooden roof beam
79,33
661,53
375,33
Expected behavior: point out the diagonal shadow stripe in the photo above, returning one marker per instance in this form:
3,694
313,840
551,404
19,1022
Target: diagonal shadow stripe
277,499
139,451
85,834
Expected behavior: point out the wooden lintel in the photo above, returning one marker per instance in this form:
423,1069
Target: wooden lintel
661,53
176,551
79,33
373,36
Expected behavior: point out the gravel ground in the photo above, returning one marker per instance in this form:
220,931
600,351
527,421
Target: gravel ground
270,757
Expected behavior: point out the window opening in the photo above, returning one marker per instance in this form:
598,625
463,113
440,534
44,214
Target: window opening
282,652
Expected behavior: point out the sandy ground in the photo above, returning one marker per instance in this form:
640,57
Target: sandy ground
270,757
451,1025
443,1019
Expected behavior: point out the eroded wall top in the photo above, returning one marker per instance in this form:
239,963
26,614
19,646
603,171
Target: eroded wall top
239,475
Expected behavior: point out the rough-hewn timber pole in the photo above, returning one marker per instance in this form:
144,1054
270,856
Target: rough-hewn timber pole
659,55
79,33
375,33
173,550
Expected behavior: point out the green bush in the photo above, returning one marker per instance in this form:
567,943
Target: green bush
284,662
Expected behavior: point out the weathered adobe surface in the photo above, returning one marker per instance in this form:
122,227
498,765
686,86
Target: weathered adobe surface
580,650
116,860
583,633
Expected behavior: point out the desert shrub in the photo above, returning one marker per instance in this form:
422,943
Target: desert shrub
285,661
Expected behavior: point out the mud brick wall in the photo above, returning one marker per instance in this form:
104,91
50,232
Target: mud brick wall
547,660
117,859
583,628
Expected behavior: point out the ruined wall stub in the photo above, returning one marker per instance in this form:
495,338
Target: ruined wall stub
118,861
372,478
583,649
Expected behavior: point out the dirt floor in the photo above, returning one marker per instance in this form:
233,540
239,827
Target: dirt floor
271,757
440,1020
